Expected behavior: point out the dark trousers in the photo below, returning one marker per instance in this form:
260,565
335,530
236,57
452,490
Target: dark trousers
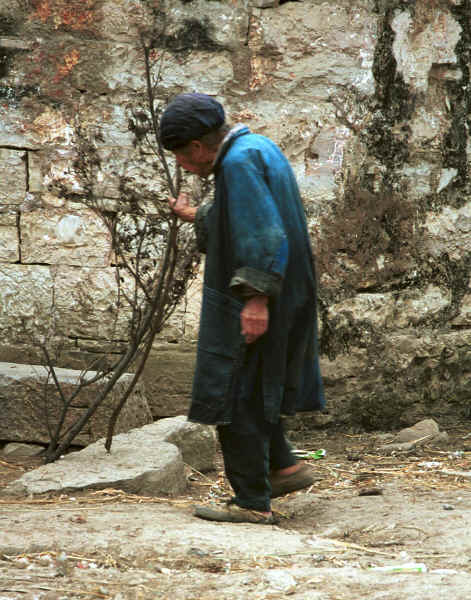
248,460
252,447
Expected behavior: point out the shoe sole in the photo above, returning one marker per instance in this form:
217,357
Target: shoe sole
228,516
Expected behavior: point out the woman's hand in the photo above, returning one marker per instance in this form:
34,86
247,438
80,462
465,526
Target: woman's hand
181,207
254,318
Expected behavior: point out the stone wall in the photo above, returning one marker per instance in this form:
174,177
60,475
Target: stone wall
369,99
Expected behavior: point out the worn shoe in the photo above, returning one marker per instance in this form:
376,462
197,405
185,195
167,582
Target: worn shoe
284,484
232,513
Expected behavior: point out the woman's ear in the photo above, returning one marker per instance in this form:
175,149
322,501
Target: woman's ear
196,148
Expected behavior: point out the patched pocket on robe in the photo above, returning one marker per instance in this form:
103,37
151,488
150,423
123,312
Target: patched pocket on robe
220,344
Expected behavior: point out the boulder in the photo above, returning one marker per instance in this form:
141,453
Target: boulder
196,442
17,450
427,428
28,399
421,433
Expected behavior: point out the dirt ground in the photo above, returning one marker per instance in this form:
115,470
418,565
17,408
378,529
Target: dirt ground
369,512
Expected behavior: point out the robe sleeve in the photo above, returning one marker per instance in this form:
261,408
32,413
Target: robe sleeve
201,226
258,241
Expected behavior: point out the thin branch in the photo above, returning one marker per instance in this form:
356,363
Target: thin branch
155,294
155,122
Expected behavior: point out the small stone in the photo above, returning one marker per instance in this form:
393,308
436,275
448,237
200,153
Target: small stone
17,449
373,491
280,580
318,558
265,3
62,565
448,507
197,552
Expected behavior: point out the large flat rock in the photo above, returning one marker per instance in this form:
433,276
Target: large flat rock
136,464
29,400
148,461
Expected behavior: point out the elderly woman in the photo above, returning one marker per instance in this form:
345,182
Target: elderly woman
257,349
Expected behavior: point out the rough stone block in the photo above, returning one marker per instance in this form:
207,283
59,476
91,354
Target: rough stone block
449,231
141,175
438,36
35,177
308,55
168,378
464,318
386,311
16,449
210,72
344,366
61,303
26,298
411,308
13,133
58,237
378,309
196,442
9,242
28,397
86,301
13,179
51,127
122,20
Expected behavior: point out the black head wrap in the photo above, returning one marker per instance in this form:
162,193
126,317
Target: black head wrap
189,117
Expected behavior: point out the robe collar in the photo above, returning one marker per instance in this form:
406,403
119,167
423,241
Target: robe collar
233,134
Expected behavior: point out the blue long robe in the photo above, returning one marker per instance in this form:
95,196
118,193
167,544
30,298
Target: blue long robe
255,237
